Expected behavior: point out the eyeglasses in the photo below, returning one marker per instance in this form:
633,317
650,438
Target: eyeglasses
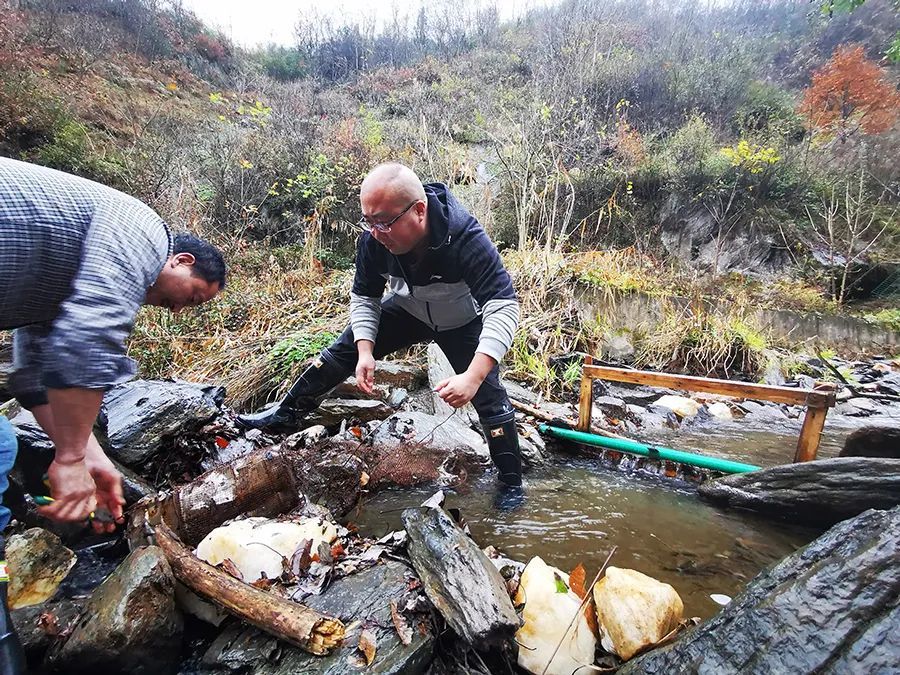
383,227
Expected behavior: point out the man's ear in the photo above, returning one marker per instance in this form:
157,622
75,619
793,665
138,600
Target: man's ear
183,259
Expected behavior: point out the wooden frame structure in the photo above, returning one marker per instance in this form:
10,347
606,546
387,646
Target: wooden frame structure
817,401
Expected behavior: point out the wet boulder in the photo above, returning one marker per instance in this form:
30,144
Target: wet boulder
821,492
873,442
532,446
130,624
137,418
439,369
858,407
459,579
550,608
831,607
38,563
330,476
377,600
634,611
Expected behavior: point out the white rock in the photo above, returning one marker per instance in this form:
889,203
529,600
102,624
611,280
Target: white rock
546,616
258,545
680,405
720,410
634,611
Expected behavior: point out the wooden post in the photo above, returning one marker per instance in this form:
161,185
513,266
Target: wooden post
586,398
810,433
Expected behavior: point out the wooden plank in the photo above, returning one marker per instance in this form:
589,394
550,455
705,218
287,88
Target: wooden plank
765,392
586,397
810,434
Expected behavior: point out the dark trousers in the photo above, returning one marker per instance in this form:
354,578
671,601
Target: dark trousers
398,330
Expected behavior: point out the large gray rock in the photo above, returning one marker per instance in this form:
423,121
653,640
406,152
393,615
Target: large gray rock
823,491
459,579
131,624
439,369
137,418
361,601
444,433
832,607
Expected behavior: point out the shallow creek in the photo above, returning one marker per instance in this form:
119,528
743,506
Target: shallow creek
576,511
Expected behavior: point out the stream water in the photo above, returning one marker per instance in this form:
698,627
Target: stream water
576,511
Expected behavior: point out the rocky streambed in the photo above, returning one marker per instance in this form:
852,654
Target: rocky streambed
364,462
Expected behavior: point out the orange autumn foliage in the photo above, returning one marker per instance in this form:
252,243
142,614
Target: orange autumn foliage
850,92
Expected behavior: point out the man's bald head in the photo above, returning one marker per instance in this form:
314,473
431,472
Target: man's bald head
393,195
393,182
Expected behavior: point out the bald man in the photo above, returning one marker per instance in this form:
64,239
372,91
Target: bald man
445,283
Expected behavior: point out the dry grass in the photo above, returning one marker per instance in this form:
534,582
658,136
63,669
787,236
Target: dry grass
232,341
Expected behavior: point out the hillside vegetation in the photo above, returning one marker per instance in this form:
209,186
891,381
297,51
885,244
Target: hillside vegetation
745,149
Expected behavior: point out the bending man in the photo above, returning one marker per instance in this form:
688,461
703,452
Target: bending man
446,283
77,260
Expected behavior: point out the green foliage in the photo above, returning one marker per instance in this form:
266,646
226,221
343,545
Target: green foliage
284,64
768,109
295,350
70,149
886,318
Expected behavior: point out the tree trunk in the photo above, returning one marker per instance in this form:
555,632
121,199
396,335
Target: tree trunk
286,620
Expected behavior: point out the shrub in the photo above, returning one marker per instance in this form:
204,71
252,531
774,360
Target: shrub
698,341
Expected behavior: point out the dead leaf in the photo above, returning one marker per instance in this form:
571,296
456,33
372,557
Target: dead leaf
367,645
324,553
221,442
263,583
577,579
48,623
232,569
435,501
576,584
337,550
404,632
301,559
413,584
363,479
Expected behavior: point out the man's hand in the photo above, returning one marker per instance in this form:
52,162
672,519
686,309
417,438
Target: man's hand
365,366
72,489
109,486
459,389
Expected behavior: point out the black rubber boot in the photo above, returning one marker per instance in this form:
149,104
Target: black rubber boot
302,398
12,658
503,442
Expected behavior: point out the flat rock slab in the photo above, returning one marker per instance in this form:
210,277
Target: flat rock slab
138,417
459,579
361,601
832,607
334,411
820,492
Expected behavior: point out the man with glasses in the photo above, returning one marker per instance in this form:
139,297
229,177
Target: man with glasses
446,283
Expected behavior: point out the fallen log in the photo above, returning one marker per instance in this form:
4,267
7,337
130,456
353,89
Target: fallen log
286,620
458,578
537,413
